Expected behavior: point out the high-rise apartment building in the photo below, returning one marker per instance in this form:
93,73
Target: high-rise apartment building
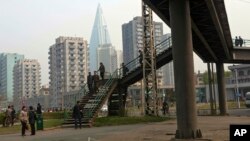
69,66
7,62
27,80
99,36
132,39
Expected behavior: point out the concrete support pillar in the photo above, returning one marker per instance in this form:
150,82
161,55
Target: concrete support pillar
221,89
183,69
211,99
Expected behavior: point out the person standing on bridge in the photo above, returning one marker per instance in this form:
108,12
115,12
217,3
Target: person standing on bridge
124,70
236,42
240,41
96,82
90,83
102,70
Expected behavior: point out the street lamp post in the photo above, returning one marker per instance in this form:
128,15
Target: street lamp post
237,88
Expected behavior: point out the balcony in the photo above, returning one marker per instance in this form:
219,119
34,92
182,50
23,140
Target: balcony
80,58
72,79
72,57
71,47
80,52
81,79
73,84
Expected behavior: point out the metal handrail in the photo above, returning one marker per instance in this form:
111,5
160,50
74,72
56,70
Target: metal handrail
103,90
246,43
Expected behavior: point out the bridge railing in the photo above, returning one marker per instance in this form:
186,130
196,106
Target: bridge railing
246,43
135,63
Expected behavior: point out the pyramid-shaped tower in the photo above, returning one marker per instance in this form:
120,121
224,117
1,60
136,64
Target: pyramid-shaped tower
99,36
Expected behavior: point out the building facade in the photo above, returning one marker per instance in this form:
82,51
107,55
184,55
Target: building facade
69,66
7,62
238,84
132,39
27,80
106,54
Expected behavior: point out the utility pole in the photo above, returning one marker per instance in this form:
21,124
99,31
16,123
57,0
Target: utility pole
237,88
149,61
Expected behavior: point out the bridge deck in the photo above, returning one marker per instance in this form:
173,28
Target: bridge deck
212,39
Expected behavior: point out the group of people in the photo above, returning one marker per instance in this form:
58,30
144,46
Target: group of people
93,80
238,41
29,116
10,116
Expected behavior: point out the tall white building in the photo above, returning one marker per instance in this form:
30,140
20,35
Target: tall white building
99,36
119,57
69,66
27,80
106,54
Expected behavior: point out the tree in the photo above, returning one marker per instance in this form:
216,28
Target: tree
205,76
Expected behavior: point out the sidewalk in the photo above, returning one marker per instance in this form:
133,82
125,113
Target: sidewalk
215,128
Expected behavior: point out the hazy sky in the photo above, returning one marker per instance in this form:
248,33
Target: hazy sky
29,27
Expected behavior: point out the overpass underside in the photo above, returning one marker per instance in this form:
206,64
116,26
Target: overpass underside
200,26
210,30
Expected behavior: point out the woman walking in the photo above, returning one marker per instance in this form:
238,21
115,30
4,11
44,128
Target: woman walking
24,120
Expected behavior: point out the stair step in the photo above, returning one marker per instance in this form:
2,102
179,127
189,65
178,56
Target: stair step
85,125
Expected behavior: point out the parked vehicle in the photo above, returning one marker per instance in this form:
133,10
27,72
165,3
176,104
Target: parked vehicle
247,101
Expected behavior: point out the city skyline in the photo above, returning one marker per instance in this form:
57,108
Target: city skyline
30,27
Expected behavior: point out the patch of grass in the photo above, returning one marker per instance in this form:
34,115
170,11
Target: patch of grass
109,121
10,130
48,123
52,123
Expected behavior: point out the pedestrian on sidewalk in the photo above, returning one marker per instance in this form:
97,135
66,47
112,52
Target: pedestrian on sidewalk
24,120
32,119
77,115
13,115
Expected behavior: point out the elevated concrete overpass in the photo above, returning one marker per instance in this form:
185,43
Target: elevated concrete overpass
200,26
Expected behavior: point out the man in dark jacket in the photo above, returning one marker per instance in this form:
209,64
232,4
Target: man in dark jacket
124,70
32,119
102,70
39,109
96,82
77,114
90,83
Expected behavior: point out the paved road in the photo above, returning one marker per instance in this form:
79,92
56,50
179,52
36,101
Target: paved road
212,127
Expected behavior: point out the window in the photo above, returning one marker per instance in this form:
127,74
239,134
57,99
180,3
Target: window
241,73
248,72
